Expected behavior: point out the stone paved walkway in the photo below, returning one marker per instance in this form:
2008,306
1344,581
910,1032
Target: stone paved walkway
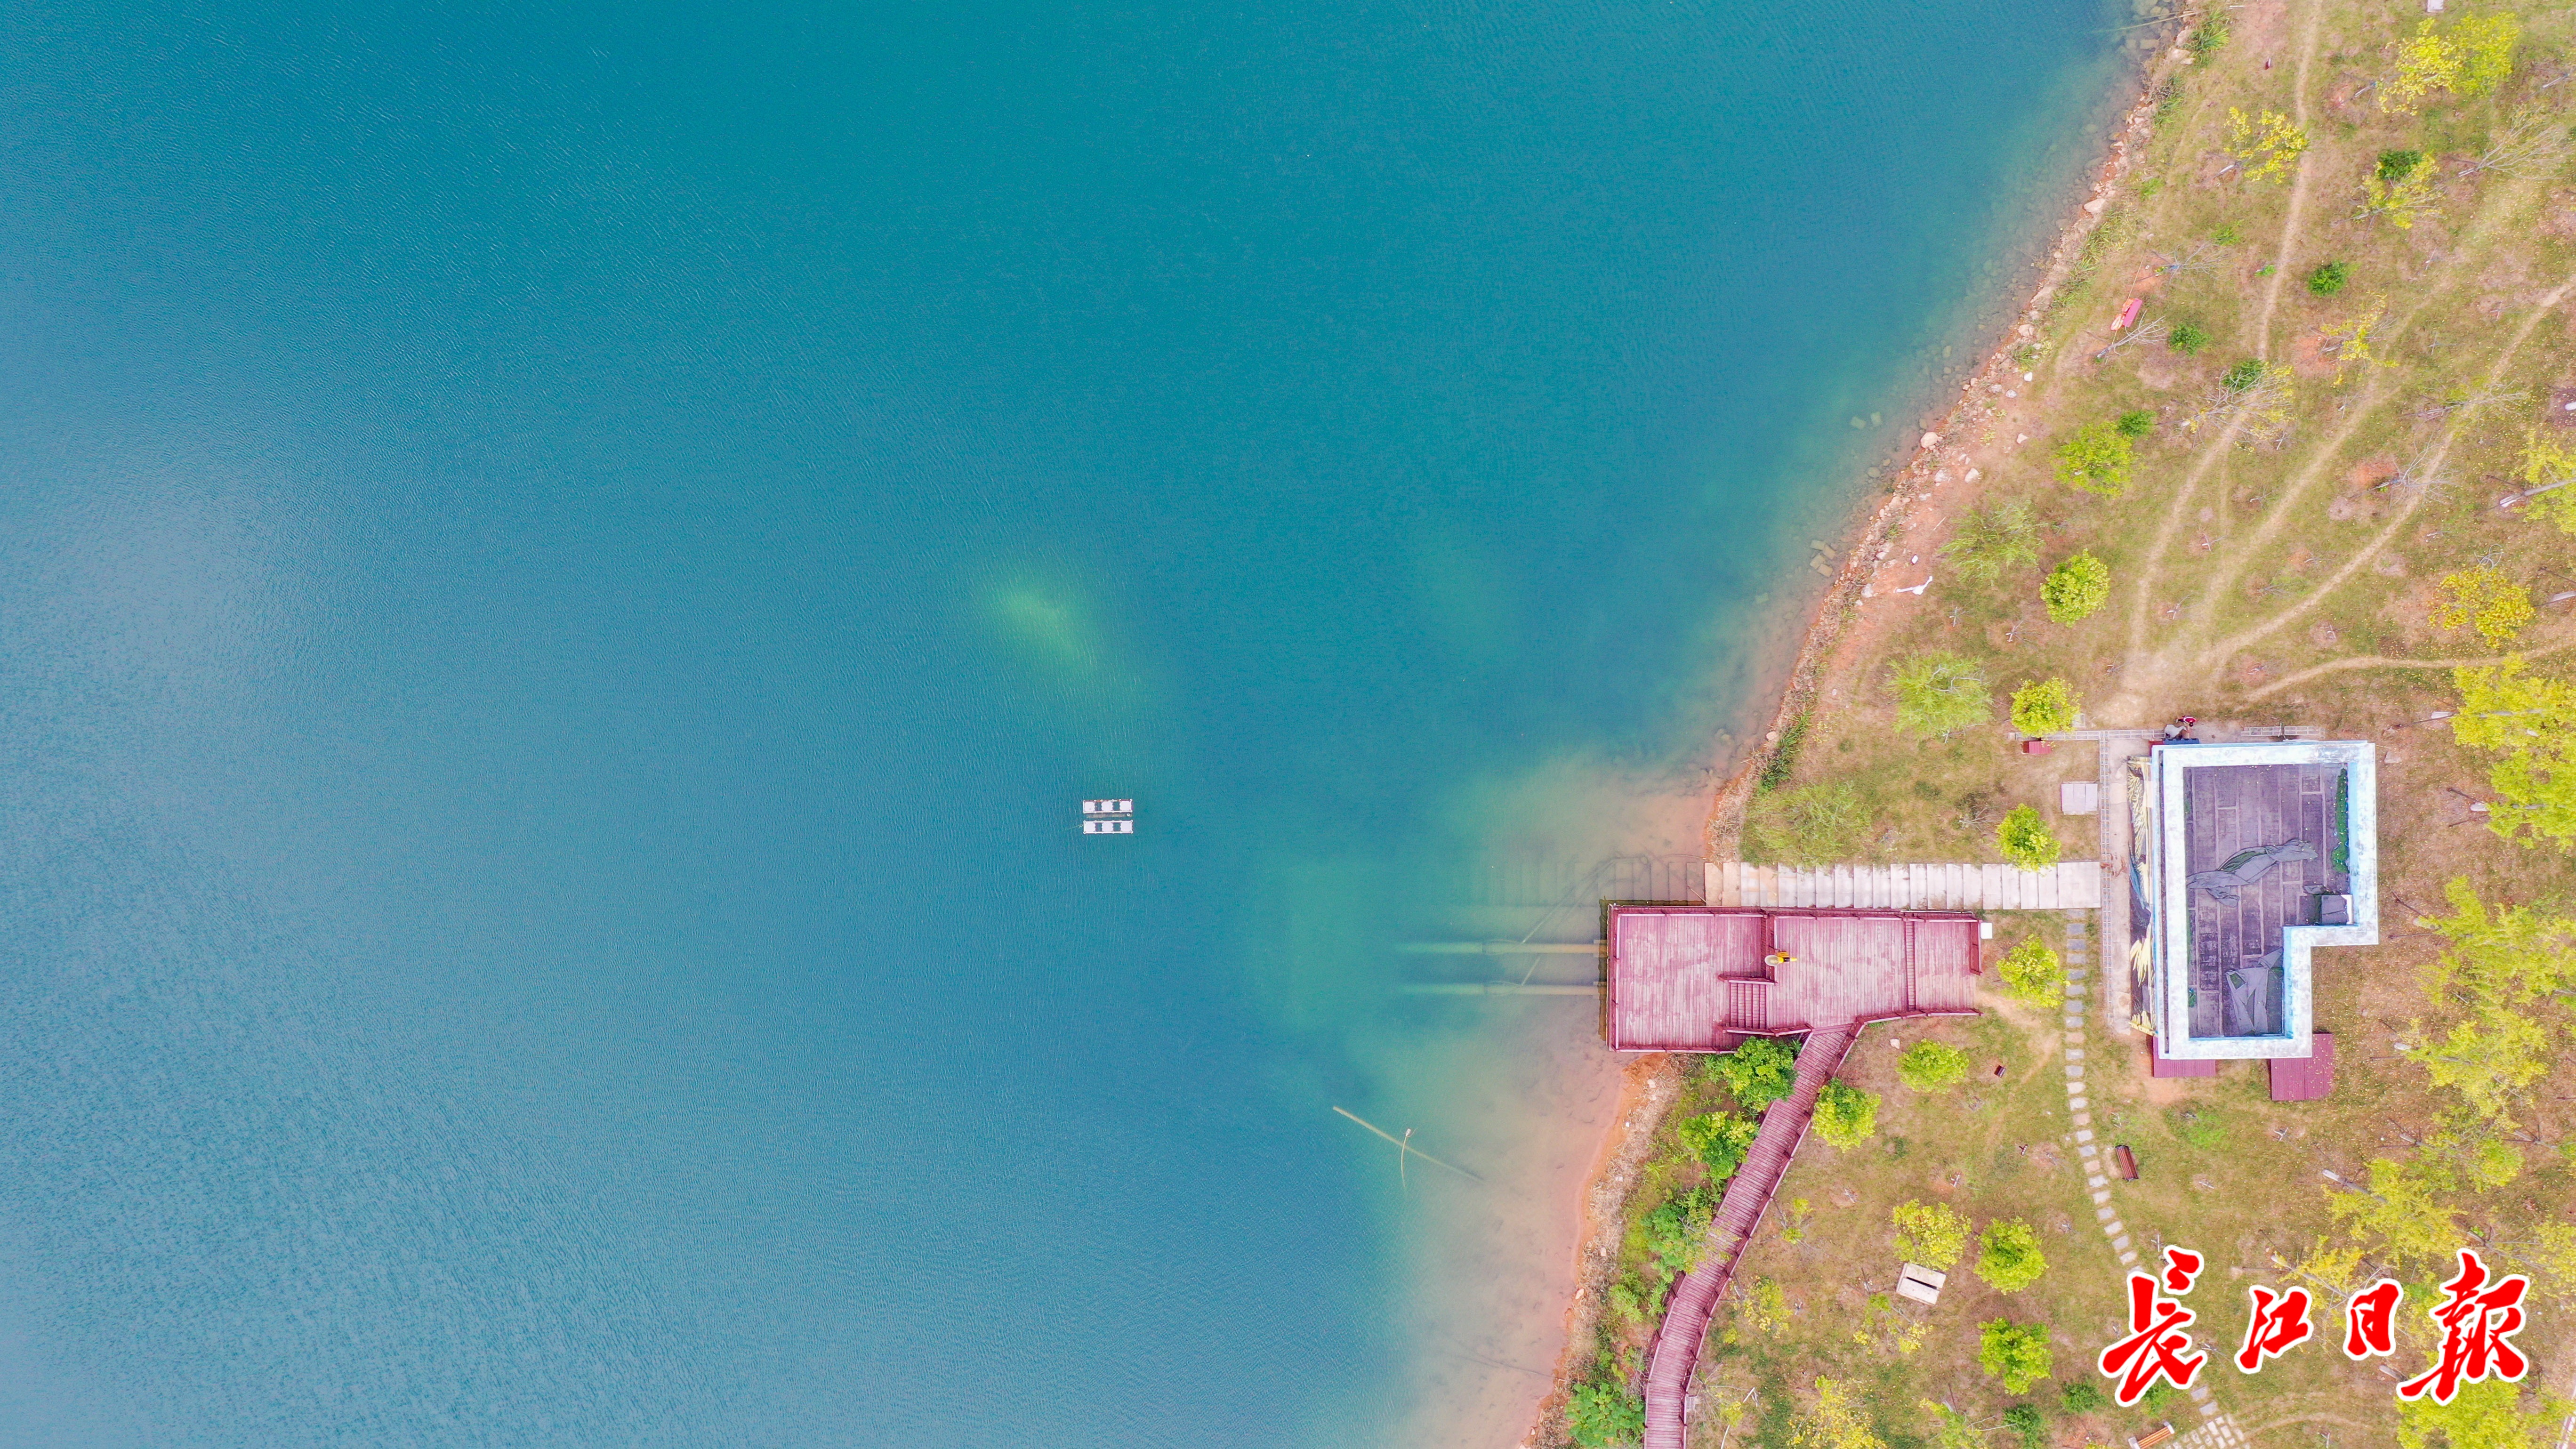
2097,1163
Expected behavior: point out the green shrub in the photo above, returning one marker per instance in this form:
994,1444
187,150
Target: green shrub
2206,40
2043,707
2031,972
1677,1232
2187,338
2399,165
2077,588
1988,542
2025,840
2096,458
2008,1257
2227,235
2136,423
2028,1424
2327,280
2244,375
1930,1233
1929,1066
1601,1413
1812,825
1845,1116
2017,1353
1939,692
1758,1073
1720,1139
2084,1398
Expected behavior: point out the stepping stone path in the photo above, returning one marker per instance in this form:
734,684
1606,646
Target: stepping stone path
2219,1432
2097,1163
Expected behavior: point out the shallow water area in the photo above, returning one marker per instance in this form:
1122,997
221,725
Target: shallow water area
563,575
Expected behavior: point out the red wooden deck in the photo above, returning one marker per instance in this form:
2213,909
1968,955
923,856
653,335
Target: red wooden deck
1686,978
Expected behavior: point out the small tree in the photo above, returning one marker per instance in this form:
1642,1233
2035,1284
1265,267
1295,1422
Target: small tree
2328,279
2426,62
2044,706
1839,1420
2243,375
2485,46
2549,466
2187,338
2031,972
1930,1233
2028,1424
1676,1232
1940,692
2077,588
1601,1412
1991,541
2480,1416
2269,144
2084,1398
2531,722
2017,1353
1758,1073
2008,1257
1930,1066
2483,597
2096,458
2025,840
1846,1116
2401,189
1720,1139
2136,423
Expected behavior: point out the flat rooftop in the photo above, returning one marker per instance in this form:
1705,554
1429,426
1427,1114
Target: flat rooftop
2262,852
1698,978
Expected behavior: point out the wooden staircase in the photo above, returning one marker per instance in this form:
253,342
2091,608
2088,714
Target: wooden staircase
1694,1300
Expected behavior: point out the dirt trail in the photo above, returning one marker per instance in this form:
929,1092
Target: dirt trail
2298,184
2494,214
2219,652
2374,661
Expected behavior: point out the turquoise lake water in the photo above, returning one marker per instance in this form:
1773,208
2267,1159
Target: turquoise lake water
563,571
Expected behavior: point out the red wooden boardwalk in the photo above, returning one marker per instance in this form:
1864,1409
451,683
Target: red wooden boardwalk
1748,1193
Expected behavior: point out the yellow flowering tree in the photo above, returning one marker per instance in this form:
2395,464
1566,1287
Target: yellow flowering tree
2549,468
2531,721
2471,60
2484,598
2269,144
2351,340
2399,189
2426,63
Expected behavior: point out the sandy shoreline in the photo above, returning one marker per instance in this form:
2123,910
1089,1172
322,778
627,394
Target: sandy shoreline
1942,473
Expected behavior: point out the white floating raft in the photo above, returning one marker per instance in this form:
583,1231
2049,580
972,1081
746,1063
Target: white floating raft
1109,827
1108,807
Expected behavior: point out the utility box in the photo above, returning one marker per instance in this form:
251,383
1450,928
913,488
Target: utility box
1919,1283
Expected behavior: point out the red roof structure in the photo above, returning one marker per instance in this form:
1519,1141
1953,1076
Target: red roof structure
1697,978
2160,1065
2308,1078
